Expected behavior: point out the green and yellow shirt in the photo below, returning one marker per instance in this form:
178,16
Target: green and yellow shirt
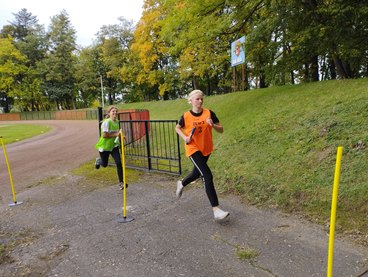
107,144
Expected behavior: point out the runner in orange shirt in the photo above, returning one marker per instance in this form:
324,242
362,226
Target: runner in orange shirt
195,128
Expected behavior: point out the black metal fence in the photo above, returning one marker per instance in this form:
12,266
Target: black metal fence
152,145
149,144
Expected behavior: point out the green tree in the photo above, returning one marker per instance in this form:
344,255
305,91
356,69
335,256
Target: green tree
30,40
114,53
30,37
315,39
344,32
87,78
58,67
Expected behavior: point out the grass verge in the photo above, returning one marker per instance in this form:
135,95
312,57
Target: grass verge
103,176
16,132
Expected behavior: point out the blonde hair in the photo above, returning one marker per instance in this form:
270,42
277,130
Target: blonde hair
109,109
193,93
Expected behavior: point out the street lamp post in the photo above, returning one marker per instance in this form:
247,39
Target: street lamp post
102,93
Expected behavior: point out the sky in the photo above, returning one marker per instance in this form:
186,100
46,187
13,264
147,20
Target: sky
87,17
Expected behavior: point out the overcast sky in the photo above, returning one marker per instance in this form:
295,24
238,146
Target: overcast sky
87,17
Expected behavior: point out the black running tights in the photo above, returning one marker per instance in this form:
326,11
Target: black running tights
116,156
201,169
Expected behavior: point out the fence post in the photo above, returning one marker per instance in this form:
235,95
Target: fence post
178,144
148,145
100,118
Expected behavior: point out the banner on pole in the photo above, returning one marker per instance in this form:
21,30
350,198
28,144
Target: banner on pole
237,51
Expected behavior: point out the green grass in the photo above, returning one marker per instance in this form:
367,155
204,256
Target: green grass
241,252
17,132
104,176
279,147
245,253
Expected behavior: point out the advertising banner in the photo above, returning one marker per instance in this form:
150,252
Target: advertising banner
237,52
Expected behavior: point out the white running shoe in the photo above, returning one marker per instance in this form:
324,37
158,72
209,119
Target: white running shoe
121,186
179,189
220,214
97,163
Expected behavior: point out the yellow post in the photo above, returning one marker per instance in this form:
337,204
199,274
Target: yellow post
333,211
123,166
123,219
10,175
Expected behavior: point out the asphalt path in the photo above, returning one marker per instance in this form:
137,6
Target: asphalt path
68,227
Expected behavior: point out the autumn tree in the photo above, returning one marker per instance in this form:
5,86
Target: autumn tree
286,41
12,65
159,67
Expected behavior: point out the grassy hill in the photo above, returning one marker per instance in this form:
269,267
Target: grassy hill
279,147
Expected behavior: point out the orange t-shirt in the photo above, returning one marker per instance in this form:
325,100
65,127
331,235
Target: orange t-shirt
202,137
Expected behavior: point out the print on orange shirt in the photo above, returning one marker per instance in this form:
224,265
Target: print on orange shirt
202,137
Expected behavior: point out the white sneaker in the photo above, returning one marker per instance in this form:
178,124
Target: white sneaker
121,186
97,163
220,214
179,189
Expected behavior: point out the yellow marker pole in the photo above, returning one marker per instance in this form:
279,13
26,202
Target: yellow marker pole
123,219
10,175
124,176
333,211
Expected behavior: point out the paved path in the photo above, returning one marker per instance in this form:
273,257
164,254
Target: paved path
68,227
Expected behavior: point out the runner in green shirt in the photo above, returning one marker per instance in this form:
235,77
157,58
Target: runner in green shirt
109,143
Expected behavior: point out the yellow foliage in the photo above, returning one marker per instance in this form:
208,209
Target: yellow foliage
163,88
95,104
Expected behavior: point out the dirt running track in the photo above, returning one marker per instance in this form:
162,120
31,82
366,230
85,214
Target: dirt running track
69,144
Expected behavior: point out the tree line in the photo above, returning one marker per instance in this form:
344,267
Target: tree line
179,45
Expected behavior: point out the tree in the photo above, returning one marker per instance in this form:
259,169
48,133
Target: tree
58,67
12,64
149,49
87,79
29,36
344,36
286,41
30,40
115,56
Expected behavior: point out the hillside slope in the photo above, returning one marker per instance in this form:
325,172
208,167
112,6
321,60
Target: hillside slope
279,147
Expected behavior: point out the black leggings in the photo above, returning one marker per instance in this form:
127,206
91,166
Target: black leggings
201,169
116,155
